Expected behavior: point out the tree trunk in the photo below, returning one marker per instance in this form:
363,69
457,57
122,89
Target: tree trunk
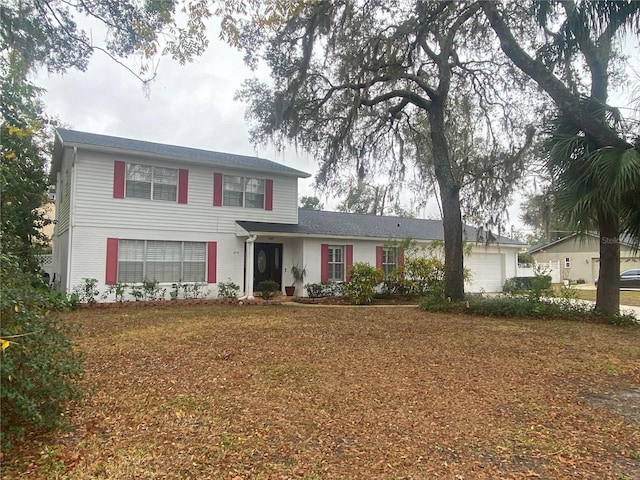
450,196
608,295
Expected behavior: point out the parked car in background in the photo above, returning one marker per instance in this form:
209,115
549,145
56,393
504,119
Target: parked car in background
629,278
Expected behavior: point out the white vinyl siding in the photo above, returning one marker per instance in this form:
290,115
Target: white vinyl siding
243,192
161,261
157,183
95,206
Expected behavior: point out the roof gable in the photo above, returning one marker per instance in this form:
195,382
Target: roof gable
623,239
92,141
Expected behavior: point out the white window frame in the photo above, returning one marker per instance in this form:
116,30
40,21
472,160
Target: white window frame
157,181
336,264
189,261
389,259
567,262
251,189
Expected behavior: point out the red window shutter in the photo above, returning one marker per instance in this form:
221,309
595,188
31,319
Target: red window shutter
324,262
400,256
268,194
183,185
217,189
118,179
379,257
111,277
212,262
349,259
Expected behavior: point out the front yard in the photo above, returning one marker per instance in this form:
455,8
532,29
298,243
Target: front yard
278,392
627,297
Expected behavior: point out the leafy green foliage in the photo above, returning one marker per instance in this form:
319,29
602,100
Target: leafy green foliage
528,305
24,150
540,212
324,289
151,290
87,291
537,285
418,276
47,34
228,289
311,203
592,153
370,93
525,258
39,365
118,290
268,289
363,282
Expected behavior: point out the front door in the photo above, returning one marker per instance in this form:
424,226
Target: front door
267,263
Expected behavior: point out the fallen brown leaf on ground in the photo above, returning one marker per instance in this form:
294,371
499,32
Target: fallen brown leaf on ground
286,392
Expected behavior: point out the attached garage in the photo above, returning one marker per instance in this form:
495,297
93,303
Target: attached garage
487,272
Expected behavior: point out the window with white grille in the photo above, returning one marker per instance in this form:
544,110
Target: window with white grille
157,183
161,261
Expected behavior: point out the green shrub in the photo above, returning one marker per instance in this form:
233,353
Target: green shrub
526,258
362,284
324,289
228,289
538,285
39,366
517,284
193,290
151,290
118,290
522,306
268,289
87,291
136,292
418,276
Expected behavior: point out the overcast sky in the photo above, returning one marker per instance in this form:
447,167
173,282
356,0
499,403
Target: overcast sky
191,105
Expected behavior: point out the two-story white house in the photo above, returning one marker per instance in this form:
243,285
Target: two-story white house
130,210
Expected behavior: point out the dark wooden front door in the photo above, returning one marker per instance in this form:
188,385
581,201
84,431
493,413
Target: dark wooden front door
267,263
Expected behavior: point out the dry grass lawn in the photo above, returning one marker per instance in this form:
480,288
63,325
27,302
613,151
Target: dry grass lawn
279,392
627,297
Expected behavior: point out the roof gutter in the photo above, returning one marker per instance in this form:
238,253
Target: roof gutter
196,161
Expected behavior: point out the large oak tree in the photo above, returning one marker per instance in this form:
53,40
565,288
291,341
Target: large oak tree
595,158
368,86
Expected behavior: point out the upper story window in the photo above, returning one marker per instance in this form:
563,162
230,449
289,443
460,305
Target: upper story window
389,259
243,192
157,183
567,262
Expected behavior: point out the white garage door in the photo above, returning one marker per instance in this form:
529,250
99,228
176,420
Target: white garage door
487,272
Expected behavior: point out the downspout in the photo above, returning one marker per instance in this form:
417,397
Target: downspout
248,275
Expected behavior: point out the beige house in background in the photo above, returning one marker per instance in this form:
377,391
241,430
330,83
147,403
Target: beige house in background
579,256
49,210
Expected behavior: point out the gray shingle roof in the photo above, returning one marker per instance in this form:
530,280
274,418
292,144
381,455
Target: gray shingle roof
76,138
323,223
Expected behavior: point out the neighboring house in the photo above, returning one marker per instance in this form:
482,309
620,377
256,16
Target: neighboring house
130,210
49,212
579,256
